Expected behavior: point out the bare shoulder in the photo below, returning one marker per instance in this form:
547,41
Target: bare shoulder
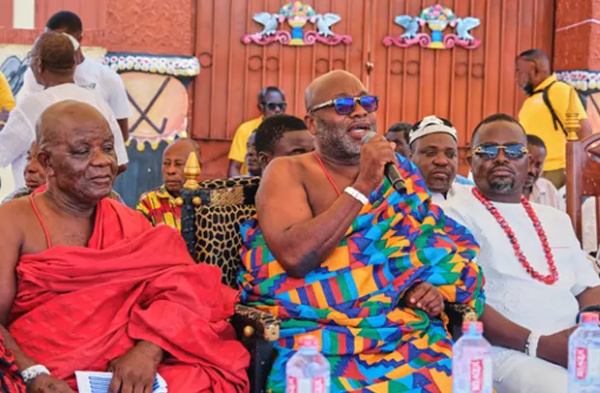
283,180
15,216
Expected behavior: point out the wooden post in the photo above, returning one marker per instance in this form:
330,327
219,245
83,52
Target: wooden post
574,179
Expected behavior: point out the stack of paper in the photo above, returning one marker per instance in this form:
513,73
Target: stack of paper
95,382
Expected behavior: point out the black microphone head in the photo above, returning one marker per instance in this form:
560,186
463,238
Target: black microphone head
368,136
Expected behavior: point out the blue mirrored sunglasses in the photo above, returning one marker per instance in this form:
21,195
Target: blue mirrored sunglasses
346,105
514,151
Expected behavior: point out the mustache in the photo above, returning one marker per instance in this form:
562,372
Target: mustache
503,167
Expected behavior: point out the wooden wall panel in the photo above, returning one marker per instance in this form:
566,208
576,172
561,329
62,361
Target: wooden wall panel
233,73
91,12
461,85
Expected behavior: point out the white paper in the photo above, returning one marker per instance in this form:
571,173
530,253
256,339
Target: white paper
97,382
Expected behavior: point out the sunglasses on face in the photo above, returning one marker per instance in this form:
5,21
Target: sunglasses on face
274,105
514,151
346,105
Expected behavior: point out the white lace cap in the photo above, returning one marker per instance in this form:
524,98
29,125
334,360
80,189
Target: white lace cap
431,125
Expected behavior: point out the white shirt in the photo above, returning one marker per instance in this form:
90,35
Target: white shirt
92,75
588,218
455,188
19,131
545,309
545,193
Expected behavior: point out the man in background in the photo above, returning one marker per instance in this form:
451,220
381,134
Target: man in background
7,101
398,133
543,113
434,151
53,65
159,206
538,189
252,163
89,73
282,136
271,101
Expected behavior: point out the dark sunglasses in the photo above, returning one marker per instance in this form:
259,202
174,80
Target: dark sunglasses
274,105
514,151
346,105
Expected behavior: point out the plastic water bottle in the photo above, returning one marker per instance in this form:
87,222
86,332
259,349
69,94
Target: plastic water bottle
584,356
472,361
308,370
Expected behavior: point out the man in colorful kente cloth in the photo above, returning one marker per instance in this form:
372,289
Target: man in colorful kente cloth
340,255
86,283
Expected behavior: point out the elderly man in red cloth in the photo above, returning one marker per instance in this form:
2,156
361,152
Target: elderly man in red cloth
86,284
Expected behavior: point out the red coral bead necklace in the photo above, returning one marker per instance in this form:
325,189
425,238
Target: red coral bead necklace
547,279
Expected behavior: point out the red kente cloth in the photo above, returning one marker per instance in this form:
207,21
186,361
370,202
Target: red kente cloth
77,308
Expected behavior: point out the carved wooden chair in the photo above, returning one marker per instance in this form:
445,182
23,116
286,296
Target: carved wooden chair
212,212
583,172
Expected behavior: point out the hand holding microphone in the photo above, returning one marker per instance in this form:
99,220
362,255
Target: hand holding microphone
377,159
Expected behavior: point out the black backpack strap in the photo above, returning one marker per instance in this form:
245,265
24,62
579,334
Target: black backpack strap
555,119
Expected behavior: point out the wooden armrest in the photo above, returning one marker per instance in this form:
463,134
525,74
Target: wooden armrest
254,322
457,314
461,311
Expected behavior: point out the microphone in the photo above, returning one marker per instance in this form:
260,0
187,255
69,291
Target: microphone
390,171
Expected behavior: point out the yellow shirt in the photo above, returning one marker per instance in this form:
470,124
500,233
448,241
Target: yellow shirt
240,139
536,118
7,100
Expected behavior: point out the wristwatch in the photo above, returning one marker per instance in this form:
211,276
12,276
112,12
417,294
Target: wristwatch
31,373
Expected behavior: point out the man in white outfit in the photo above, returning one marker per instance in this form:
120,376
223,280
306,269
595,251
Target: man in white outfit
89,73
537,276
434,150
53,65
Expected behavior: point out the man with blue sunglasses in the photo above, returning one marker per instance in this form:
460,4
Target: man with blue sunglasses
537,277
338,253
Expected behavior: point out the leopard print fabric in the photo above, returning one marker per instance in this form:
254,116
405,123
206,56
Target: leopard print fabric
225,204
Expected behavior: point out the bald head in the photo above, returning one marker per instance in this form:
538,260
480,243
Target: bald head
61,120
332,84
536,56
185,144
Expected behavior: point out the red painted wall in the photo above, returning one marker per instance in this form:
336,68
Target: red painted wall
153,26
575,42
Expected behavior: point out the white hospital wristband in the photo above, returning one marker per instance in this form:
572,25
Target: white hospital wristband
532,344
359,196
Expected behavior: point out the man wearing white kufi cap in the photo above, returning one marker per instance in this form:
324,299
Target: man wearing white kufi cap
434,150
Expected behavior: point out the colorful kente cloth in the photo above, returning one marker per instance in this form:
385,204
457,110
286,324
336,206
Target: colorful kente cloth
353,303
159,207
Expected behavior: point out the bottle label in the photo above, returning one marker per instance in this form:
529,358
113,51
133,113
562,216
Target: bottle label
476,373
300,385
581,363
